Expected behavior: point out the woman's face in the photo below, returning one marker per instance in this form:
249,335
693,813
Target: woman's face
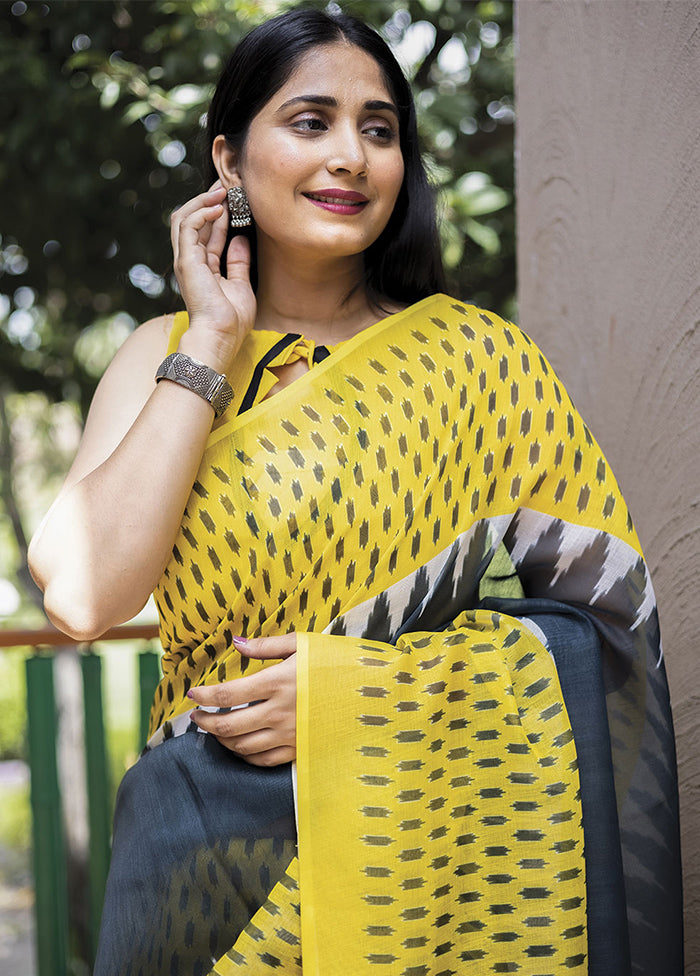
322,163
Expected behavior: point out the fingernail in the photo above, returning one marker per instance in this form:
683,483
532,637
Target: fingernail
239,640
193,715
190,694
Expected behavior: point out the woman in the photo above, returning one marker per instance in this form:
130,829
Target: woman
373,521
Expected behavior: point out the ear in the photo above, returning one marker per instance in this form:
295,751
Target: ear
226,161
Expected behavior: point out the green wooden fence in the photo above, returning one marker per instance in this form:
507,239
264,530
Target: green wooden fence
49,850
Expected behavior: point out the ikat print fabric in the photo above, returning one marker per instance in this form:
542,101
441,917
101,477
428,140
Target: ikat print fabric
439,802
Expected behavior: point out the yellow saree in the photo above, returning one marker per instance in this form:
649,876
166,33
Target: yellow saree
438,811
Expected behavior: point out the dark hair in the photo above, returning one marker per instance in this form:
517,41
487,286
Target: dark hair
404,264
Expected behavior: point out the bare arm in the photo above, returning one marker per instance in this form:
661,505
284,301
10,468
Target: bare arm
106,540
104,544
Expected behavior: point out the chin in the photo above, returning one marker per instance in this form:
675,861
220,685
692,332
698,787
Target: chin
321,242
342,243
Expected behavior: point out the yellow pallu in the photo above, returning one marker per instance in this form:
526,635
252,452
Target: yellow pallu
439,815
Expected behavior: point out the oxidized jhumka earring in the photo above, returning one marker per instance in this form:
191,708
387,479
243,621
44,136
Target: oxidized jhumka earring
238,206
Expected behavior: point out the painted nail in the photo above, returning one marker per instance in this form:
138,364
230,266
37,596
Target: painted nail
239,640
190,694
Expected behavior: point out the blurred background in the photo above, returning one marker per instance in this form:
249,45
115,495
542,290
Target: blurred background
101,107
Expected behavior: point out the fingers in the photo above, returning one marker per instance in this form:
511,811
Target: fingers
210,202
246,735
268,725
278,681
218,231
231,694
282,646
221,309
216,192
238,259
213,196
258,734
273,757
261,749
194,231
230,725
257,742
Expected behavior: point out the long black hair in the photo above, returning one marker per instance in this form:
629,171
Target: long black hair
404,264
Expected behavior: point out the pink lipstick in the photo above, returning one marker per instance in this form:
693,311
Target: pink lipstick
338,201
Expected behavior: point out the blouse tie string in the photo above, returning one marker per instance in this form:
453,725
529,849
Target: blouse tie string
289,349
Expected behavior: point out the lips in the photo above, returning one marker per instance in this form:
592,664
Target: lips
337,201
337,196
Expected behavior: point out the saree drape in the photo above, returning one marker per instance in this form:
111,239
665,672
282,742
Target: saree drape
439,798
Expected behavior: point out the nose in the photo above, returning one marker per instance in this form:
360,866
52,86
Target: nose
347,153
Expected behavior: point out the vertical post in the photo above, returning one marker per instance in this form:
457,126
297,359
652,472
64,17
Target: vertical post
608,178
47,835
98,788
149,676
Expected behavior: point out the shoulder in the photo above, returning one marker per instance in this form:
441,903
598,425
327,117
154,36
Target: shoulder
482,331
490,353
130,377
122,393
146,346
139,356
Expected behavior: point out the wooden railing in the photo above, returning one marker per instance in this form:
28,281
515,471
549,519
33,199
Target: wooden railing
49,850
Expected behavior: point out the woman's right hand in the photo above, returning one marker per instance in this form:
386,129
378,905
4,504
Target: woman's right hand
221,309
107,539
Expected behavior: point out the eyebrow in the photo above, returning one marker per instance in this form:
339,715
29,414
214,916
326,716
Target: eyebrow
374,105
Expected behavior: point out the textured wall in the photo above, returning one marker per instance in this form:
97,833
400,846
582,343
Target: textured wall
608,183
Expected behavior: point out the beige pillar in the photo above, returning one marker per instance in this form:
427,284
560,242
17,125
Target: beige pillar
608,190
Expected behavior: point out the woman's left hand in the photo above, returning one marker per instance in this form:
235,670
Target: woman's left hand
264,733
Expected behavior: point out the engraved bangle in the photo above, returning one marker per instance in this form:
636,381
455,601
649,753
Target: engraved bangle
201,379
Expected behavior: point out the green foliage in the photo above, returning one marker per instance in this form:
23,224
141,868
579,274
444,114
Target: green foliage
15,819
121,700
43,437
121,753
12,706
99,120
98,142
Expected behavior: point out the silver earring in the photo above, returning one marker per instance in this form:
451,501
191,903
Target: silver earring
239,207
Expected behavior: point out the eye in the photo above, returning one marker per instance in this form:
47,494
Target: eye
381,131
309,124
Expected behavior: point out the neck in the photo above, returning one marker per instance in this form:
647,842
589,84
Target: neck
311,297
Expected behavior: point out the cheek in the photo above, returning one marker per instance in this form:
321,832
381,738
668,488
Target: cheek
274,168
394,177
